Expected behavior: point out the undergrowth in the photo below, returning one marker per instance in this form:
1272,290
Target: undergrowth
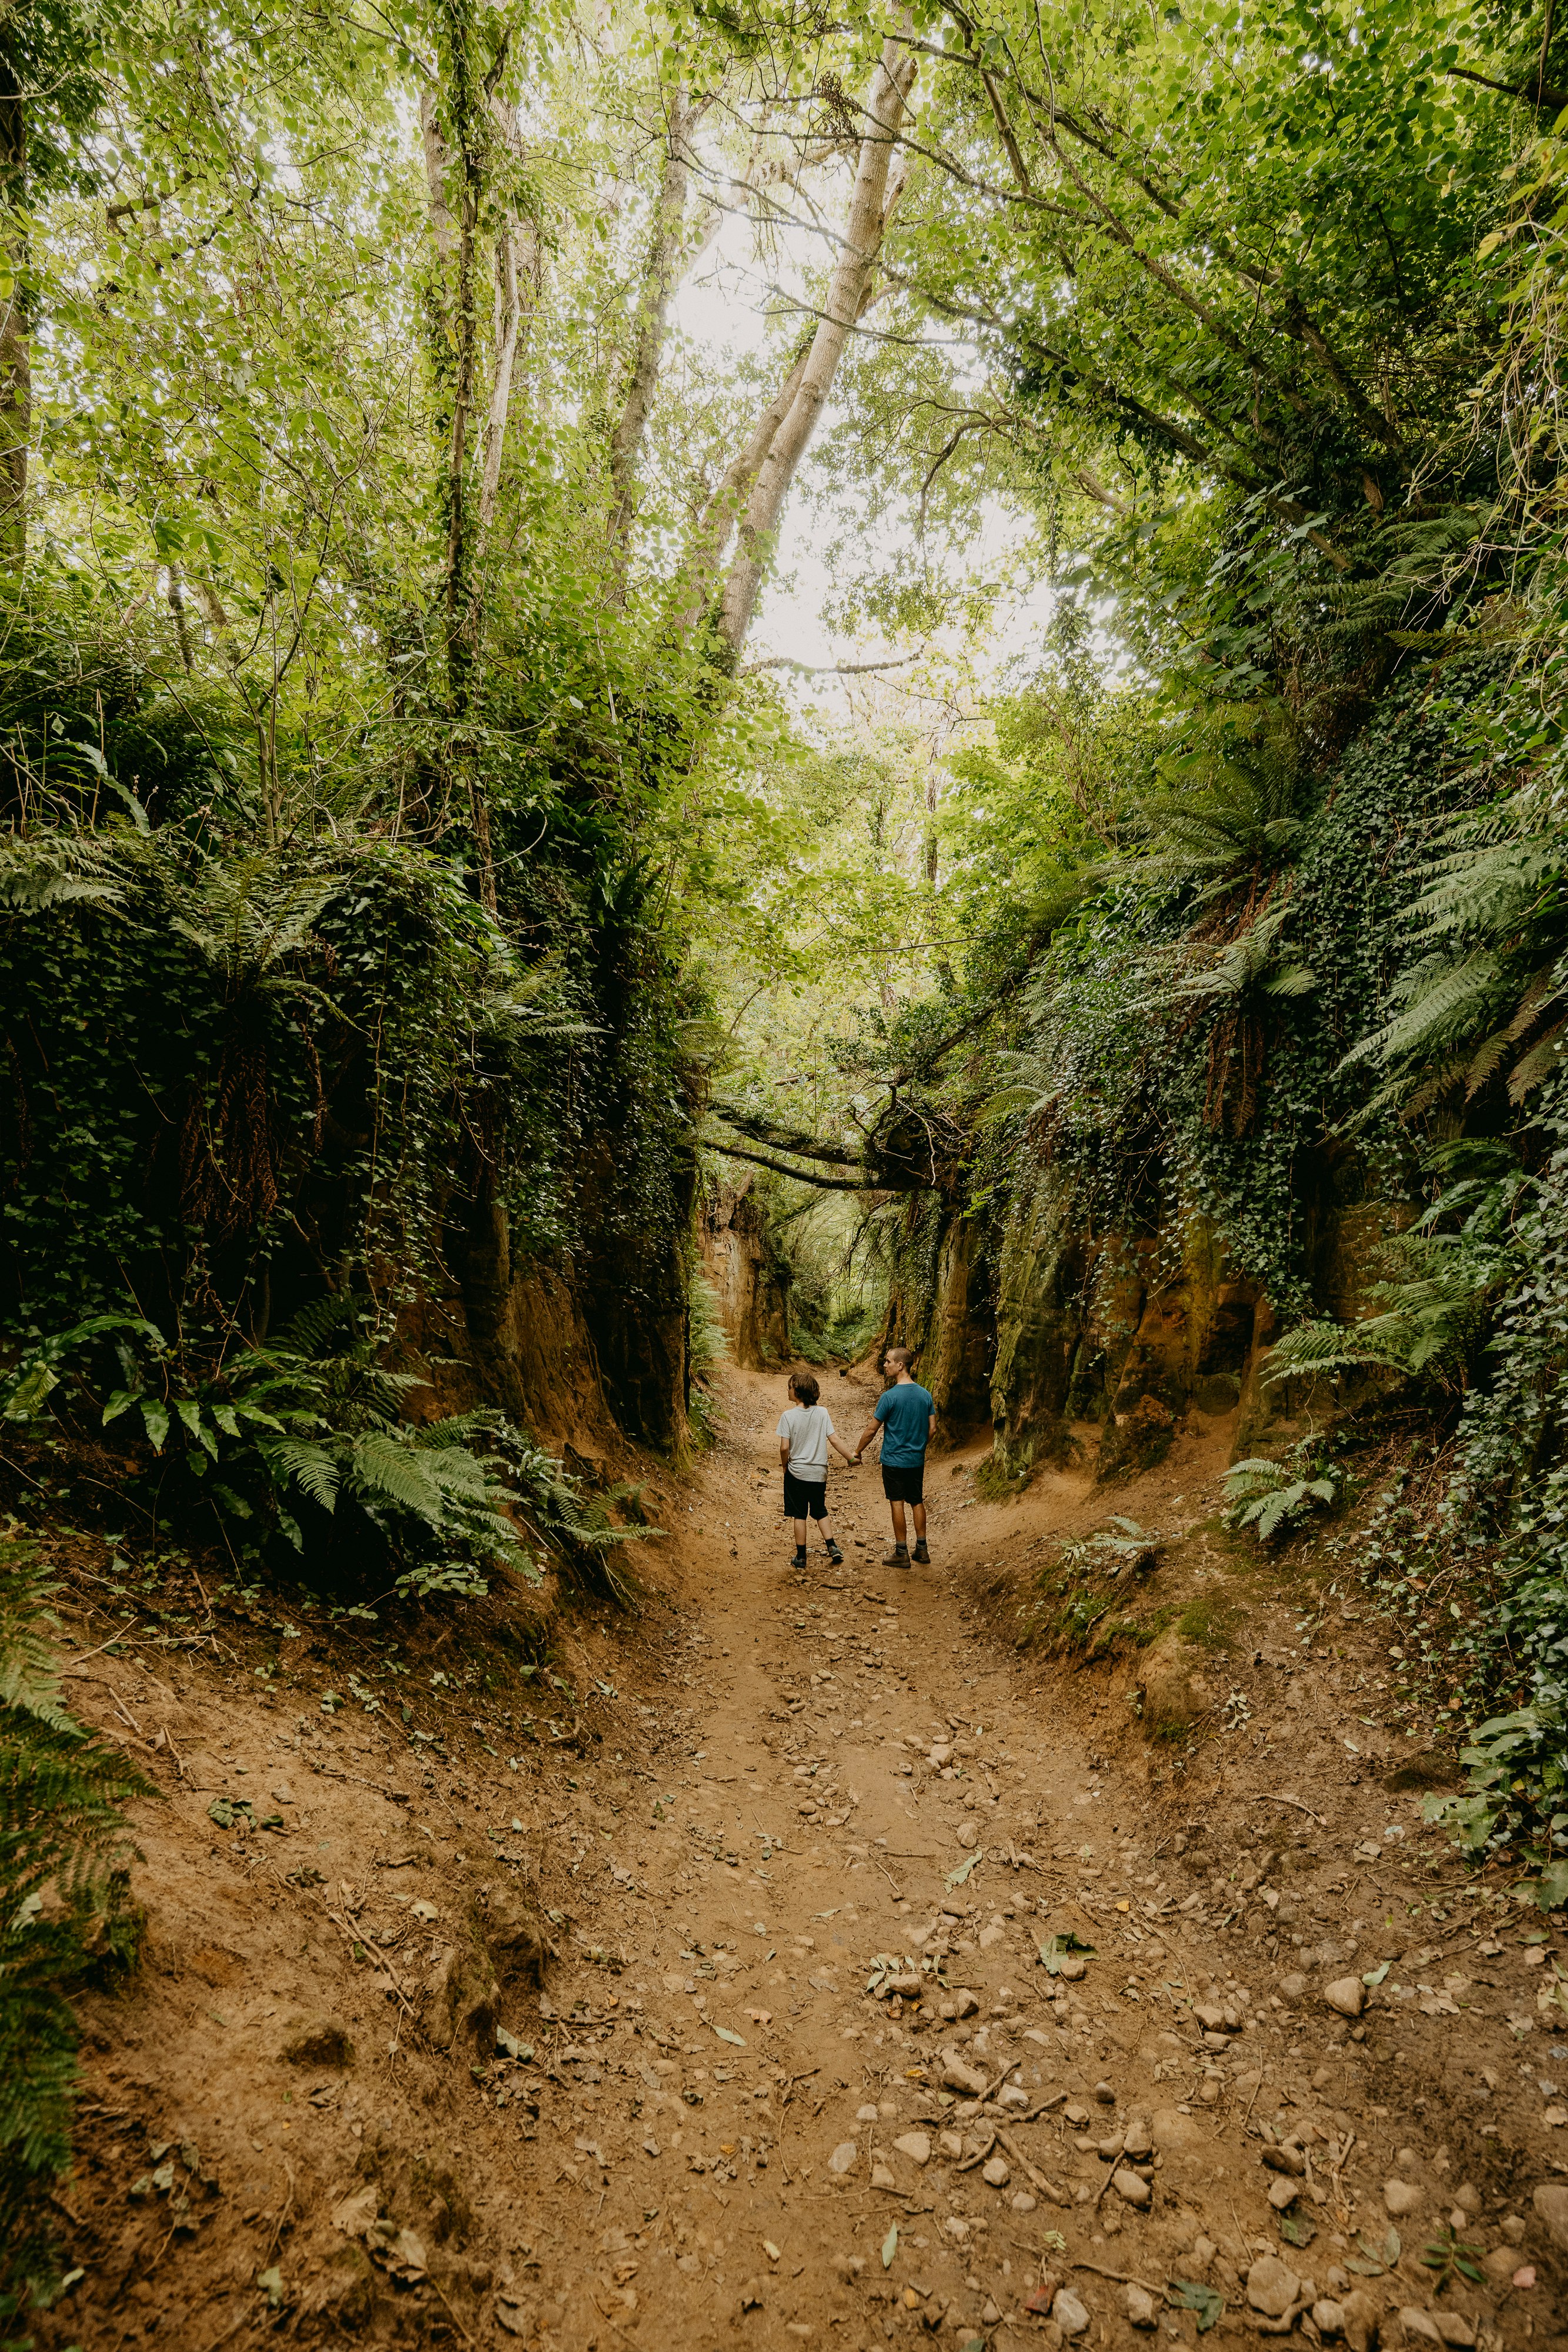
64,1911
299,1455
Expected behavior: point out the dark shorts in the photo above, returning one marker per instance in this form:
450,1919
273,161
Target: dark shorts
805,1498
904,1485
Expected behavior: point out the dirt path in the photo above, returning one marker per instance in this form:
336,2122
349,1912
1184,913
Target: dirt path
719,2135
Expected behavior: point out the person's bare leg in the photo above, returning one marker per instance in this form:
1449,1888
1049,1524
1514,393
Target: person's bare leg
919,1522
898,1526
825,1528
799,1528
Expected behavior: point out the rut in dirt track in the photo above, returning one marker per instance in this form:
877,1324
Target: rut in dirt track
872,1797
798,2071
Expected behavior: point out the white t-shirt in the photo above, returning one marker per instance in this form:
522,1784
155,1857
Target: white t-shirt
807,1427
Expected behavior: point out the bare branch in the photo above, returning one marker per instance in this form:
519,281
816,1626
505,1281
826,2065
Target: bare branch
828,669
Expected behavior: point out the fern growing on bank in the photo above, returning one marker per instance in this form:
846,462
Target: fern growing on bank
65,1861
1263,1495
1433,1308
301,1446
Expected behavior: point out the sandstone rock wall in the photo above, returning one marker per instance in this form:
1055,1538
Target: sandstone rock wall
1133,1333
750,1275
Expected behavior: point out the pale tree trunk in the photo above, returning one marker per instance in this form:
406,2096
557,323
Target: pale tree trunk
848,292
705,552
661,275
16,370
519,280
442,226
709,542
517,299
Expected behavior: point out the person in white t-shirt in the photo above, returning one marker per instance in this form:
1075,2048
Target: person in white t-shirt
805,1434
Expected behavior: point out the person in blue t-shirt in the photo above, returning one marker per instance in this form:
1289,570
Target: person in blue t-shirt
907,1416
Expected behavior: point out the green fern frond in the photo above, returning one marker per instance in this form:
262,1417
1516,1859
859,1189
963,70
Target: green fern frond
382,1464
294,1461
29,1673
1536,1066
1486,1062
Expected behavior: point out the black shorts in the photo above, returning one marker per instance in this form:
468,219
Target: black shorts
805,1498
901,1485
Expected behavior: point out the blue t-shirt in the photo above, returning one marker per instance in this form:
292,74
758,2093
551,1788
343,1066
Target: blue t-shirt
904,1411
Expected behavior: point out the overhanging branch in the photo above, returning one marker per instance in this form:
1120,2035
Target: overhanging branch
784,1139
860,1184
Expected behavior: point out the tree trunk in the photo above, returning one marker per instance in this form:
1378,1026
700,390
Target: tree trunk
705,552
659,279
455,129
517,295
848,292
16,370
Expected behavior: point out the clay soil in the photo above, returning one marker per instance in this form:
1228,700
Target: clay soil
349,2097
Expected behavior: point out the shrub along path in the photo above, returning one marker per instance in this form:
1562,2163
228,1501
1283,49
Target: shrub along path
797,2070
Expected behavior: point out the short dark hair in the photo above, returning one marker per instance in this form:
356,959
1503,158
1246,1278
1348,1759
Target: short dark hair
804,1386
899,1356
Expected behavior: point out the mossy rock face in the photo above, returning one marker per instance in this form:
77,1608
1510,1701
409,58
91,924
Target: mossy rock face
1210,1622
750,1272
1038,1325
954,1363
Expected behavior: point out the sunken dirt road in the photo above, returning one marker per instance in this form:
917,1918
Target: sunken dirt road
796,2071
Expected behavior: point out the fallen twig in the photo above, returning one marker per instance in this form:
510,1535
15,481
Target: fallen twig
1269,1798
283,2217
1122,2278
82,1657
456,2322
1037,2178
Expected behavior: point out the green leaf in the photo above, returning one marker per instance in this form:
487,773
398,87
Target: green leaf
890,2247
956,1877
190,1414
1056,1948
1391,2248
724,2035
155,1415
1191,2295
1296,2230
1551,1889
1374,1976
27,1391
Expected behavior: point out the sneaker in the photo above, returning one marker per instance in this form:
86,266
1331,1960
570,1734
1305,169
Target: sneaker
921,1554
800,1558
897,1557
834,1554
